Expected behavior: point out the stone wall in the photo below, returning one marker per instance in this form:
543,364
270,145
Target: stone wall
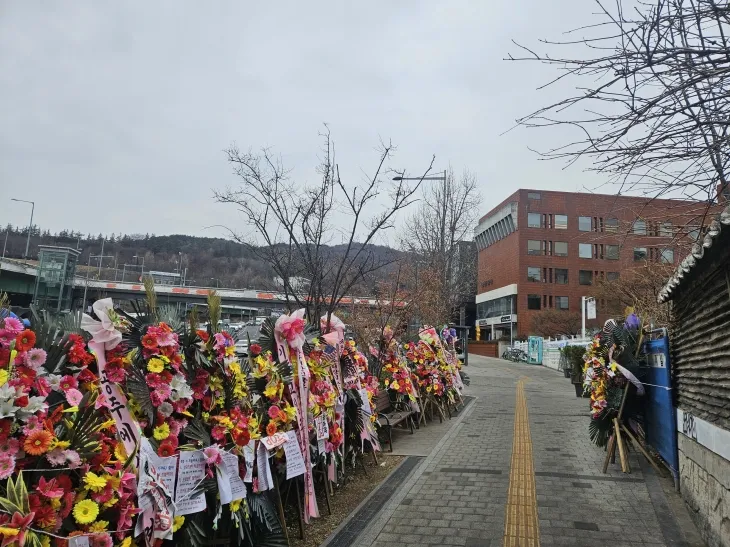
705,484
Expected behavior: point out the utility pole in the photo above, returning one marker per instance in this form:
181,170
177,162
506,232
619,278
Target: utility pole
30,226
511,322
5,245
101,255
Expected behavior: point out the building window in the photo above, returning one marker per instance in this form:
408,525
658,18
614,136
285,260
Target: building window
561,302
533,274
534,220
534,247
639,253
667,256
533,301
693,233
666,229
612,276
533,195
612,225
585,277
561,222
612,252
560,248
584,224
561,276
639,227
585,250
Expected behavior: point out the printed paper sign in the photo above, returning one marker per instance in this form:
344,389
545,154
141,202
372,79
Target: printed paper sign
323,430
230,485
78,541
191,472
274,441
155,489
321,447
294,459
249,456
365,401
262,460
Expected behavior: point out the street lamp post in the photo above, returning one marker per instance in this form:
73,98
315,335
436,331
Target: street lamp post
30,226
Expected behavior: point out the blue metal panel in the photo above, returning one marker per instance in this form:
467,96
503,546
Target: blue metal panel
534,350
660,415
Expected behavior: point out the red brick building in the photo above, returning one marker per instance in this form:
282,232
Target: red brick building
540,249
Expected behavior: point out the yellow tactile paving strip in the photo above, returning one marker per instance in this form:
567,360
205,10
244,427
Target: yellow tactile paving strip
521,527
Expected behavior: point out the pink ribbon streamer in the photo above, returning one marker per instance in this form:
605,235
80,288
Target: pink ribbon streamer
300,398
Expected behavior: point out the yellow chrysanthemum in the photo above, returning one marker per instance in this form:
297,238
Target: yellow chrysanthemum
5,531
63,445
120,453
155,365
94,482
110,503
177,523
270,391
45,541
86,511
161,432
99,526
126,542
235,505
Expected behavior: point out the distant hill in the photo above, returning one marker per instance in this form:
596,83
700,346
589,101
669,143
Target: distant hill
209,261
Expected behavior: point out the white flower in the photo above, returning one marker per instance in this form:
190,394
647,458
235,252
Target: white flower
103,331
7,409
54,381
35,404
165,409
180,388
7,393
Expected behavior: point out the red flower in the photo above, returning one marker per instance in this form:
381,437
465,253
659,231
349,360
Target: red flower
218,432
204,336
149,342
255,349
5,426
26,375
167,447
25,340
86,375
242,437
68,382
22,402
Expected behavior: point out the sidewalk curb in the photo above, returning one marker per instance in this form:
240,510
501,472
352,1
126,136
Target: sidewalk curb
376,525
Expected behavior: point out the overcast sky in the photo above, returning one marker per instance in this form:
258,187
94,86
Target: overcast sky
114,115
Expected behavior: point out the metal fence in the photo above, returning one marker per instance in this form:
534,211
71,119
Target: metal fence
551,356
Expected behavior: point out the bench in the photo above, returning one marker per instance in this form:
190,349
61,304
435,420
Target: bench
390,414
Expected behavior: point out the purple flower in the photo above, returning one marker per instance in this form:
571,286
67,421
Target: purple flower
632,322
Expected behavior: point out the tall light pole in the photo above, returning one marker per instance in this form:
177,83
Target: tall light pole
30,226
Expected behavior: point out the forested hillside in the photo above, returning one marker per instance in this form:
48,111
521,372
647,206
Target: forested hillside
209,261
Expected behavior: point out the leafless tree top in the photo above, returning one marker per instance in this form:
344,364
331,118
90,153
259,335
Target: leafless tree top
652,96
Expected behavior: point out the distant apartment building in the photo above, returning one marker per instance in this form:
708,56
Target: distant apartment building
542,249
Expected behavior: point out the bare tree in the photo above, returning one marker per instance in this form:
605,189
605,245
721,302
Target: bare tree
434,234
652,96
639,288
554,323
293,225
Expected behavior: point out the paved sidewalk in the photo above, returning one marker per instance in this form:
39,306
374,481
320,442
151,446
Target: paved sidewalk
492,463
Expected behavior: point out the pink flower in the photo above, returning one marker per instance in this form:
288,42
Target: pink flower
273,412
13,325
9,447
291,328
72,458
49,488
153,380
164,391
212,455
31,425
100,540
35,358
166,339
101,402
68,382
156,398
74,397
42,386
56,457
7,466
